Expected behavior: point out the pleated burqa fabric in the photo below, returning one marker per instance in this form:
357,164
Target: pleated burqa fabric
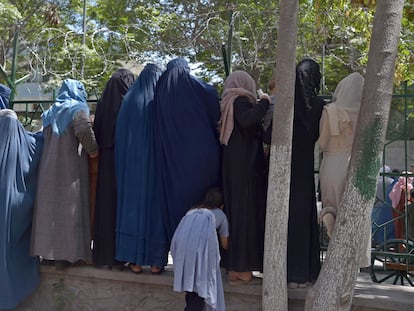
140,234
104,127
20,153
187,147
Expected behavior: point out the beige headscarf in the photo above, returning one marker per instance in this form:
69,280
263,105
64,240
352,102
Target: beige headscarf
238,83
346,103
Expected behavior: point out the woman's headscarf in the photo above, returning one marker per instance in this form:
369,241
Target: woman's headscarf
4,96
108,107
70,100
403,183
308,78
238,83
347,101
382,184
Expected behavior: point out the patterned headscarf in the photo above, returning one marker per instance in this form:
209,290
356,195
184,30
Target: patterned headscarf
239,83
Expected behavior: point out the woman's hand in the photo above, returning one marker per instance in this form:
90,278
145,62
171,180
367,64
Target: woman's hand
265,96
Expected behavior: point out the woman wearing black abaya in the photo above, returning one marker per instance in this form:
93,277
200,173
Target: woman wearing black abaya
303,230
243,174
104,128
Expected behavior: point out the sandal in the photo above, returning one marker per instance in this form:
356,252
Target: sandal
135,268
156,270
253,281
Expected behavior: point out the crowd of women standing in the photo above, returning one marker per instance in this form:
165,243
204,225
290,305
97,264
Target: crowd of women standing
161,141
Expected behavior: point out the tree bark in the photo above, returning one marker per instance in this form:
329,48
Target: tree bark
274,280
334,288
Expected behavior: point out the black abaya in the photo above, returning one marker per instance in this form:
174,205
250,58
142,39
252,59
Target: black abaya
303,228
106,199
303,264
244,187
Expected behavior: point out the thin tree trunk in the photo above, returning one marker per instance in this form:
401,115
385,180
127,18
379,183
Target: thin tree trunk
274,282
334,288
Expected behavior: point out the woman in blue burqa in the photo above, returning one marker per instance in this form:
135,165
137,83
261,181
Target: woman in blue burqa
303,229
187,147
140,234
20,153
4,96
61,227
381,217
104,127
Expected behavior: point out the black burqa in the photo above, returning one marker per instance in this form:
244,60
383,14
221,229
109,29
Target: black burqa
303,230
104,128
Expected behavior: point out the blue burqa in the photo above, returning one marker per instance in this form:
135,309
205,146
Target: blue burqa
140,234
4,96
19,159
71,99
187,147
383,226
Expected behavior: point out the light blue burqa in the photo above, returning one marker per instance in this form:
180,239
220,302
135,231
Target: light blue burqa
196,258
19,158
70,100
140,235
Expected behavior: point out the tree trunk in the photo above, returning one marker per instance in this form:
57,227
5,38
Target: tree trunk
274,282
334,288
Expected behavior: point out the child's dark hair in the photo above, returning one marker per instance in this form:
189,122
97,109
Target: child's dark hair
213,198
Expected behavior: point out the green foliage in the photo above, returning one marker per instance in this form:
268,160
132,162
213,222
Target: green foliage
8,14
335,33
405,60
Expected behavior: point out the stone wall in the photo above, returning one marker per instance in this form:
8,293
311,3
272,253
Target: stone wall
91,289
87,289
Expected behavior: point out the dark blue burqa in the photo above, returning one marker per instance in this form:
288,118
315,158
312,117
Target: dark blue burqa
140,234
381,214
19,159
187,147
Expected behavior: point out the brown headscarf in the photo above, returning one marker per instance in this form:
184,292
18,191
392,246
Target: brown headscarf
238,83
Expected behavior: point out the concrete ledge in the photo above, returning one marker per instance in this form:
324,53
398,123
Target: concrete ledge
89,288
